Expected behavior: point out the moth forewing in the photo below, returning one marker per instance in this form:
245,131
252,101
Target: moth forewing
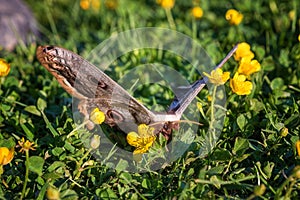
85,81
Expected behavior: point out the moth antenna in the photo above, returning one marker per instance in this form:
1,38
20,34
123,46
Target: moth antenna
229,55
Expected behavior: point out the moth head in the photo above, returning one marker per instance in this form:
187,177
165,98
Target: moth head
50,55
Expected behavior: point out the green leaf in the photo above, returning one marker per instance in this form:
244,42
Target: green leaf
57,151
33,110
268,169
241,121
215,181
69,195
108,194
277,84
27,131
256,105
126,176
268,63
146,183
42,192
259,52
216,170
36,164
9,143
221,155
284,57
68,146
41,104
122,165
49,125
56,165
240,146
53,176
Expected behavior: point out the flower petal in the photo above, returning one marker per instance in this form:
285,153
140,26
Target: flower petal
4,68
6,155
239,85
97,116
133,139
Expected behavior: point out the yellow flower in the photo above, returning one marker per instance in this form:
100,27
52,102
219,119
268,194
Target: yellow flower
243,51
166,4
239,85
284,132
299,37
234,17
209,98
218,77
248,67
6,155
86,4
4,67
292,14
96,4
259,190
298,147
199,105
97,116
142,140
26,145
111,4
53,193
197,12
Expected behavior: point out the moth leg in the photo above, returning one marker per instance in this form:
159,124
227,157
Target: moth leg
83,110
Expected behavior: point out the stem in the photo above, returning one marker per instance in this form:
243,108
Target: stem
78,166
211,130
80,163
289,190
26,175
212,116
76,129
170,18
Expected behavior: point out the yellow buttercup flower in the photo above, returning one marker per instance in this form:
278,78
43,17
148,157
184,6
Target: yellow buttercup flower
87,4
298,147
218,77
248,67
209,98
199,105
26,145
299,37
53,193
234,17
197,12
166,4
284,132
243,51
4,67
292,14
6,155
142,140
95,4
240,85
97,116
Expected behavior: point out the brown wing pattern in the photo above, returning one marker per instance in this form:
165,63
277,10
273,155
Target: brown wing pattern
94,88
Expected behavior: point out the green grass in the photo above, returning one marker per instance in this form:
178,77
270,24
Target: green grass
252,150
